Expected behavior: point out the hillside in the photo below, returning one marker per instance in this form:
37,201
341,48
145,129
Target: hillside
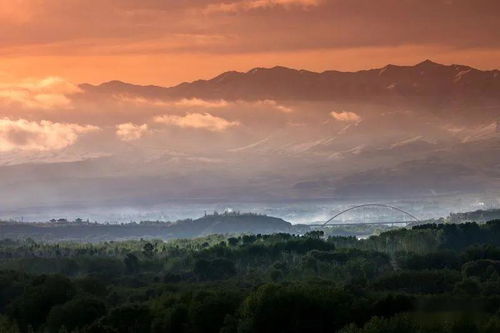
475,216
229,223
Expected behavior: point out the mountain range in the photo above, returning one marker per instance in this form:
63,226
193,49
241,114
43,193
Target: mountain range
426,85
269,135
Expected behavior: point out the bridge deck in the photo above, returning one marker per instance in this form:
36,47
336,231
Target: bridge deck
361,223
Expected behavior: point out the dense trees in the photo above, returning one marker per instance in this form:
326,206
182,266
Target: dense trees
44,292
76,313
216,269
441,323
432,278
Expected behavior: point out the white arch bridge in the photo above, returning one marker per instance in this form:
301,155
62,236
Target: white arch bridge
328,222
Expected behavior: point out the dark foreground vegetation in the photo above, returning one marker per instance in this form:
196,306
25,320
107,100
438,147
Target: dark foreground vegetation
432,278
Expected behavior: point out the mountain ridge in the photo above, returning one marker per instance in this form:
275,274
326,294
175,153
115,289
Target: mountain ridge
426,64
426,85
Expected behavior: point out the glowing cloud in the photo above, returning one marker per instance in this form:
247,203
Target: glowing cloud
259,4
131,132
140,101
349,117
202,103
196,102
45,135
48,93
182,103
197,120
274,105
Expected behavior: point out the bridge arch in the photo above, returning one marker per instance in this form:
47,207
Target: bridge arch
371,205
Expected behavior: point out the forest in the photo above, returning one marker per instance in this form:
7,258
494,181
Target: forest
428,278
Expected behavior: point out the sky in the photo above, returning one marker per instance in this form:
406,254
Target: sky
165,42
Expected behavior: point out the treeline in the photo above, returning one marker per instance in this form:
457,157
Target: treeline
79,231
431,278
477,215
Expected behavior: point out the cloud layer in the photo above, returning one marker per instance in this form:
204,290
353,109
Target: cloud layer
130,131
44,135
197,120
166,42
245,5
345,116
198,103
47,93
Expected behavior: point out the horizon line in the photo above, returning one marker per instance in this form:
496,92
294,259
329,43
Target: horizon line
287,68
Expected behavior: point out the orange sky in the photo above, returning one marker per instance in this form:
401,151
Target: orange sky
167,42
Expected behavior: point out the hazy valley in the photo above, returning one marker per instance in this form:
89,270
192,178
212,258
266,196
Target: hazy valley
277,134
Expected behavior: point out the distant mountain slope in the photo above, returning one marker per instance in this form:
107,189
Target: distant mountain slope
427,84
